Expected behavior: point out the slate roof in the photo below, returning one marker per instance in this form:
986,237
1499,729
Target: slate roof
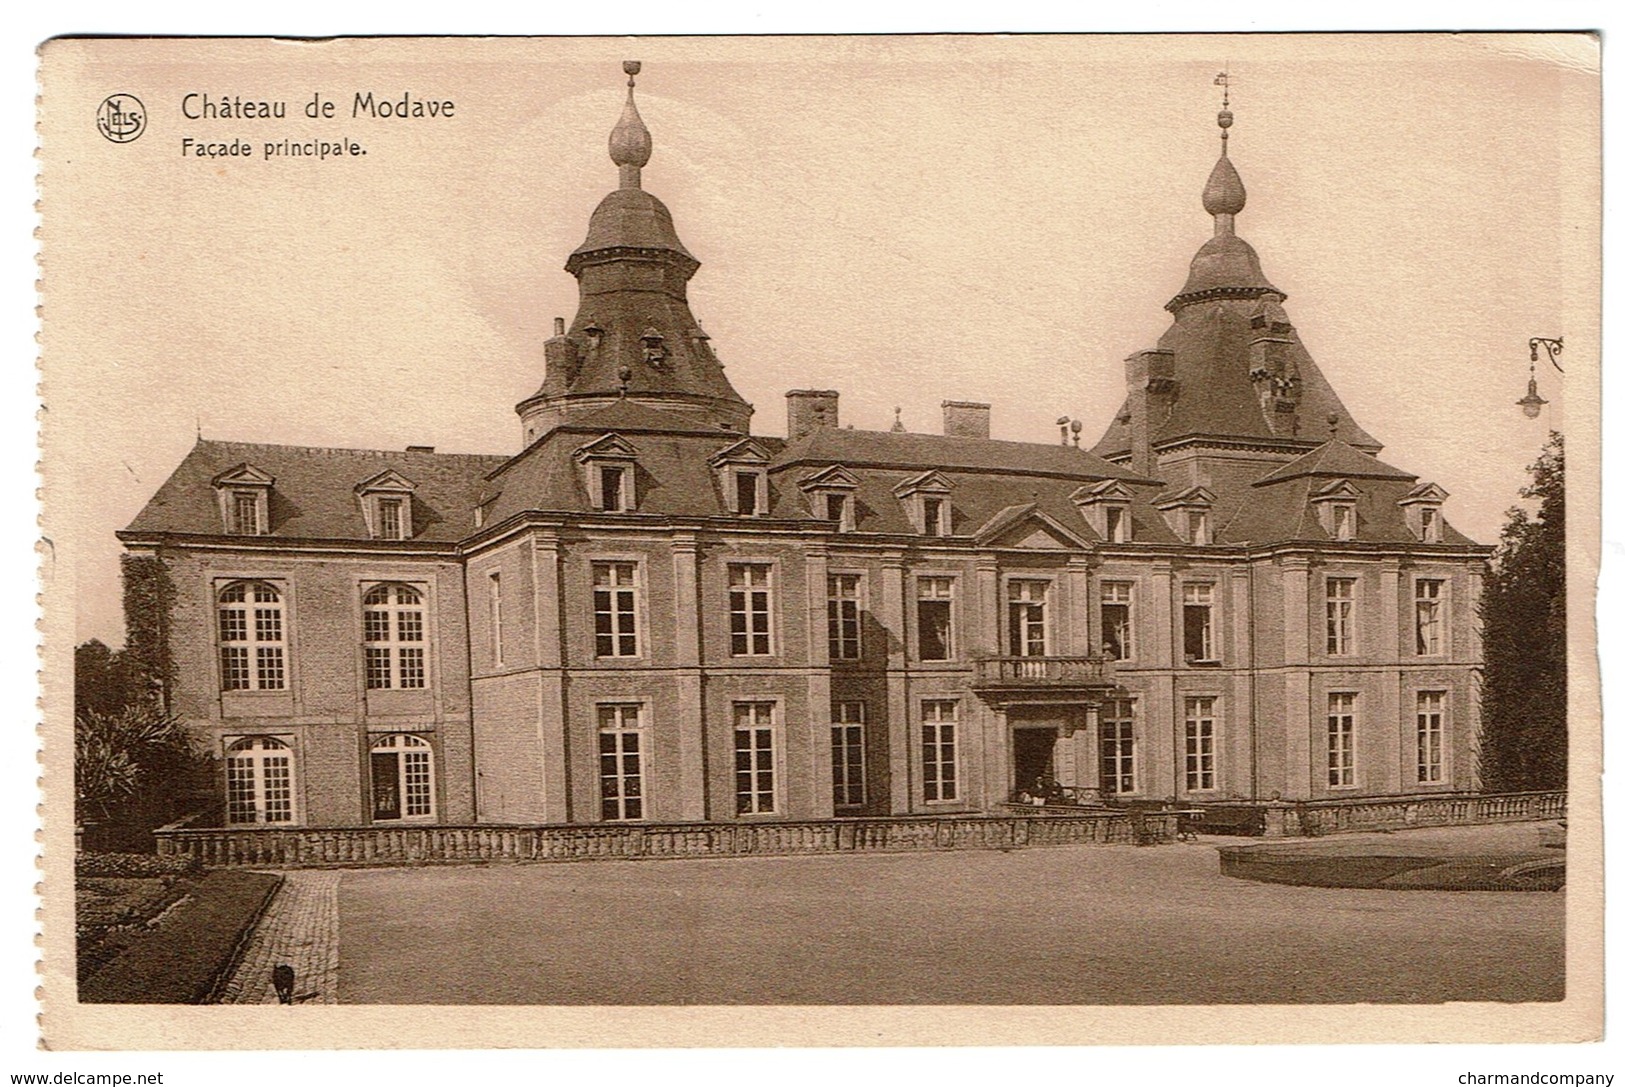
314,496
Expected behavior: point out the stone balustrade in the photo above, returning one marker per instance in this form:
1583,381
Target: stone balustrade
307,847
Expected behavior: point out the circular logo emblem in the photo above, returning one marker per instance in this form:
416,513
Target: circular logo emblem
121,118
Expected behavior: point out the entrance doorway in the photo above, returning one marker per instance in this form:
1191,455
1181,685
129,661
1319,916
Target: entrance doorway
1033,755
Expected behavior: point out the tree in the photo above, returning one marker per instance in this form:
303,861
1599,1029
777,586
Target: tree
129,766
1525,729
103,680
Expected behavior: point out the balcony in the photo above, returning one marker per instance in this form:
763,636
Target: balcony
1042,679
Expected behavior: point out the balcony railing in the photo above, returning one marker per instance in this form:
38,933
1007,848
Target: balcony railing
1041,672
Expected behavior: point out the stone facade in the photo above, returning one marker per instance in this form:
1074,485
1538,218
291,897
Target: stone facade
650,615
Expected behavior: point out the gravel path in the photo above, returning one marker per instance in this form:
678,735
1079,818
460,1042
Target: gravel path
301,928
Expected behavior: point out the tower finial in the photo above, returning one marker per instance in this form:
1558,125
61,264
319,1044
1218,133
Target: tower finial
630,144
1225,195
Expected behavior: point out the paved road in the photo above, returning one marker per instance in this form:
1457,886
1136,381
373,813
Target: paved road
1068,925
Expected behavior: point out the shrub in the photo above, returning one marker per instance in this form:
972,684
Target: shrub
132,865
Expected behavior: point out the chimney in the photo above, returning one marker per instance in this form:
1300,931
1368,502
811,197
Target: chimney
964,419
1152,391
810,410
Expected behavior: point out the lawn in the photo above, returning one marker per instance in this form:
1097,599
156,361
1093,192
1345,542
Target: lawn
1064,925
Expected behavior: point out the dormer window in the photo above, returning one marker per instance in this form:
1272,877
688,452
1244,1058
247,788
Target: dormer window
611,467
933,516
1422,513
1342,520
1189,514
1106,507
742,467
925,500
386,505
245,513
611,488
748,488
244,493
1336,506
832,494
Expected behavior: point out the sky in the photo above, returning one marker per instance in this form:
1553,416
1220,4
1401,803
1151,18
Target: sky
907,220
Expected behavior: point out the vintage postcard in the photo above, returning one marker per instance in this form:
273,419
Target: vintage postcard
944,540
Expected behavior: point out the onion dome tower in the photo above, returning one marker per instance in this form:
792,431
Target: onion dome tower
633,337
1231,376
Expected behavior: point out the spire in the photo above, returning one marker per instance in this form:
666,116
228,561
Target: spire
1224,195
630,144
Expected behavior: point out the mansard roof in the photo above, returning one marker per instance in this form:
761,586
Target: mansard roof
314,493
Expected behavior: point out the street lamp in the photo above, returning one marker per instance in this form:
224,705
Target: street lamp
1532,402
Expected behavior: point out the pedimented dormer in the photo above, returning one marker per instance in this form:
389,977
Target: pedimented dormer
832,494
1027,528
244,494
742,473
610,466
1336,506
926,500
1105,506
386,505
1423,512
1189,514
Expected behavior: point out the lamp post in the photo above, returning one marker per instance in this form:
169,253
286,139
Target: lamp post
1532,401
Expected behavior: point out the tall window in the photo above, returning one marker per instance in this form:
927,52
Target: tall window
1199,623
494,595
939,747
845,629
392,628
402,778
1429,736
1429,616
935,613
750,607
1340,738
251,653
755,768
1199,743
391,519
259,781
1026,615
1117,760
615,608
1117,619
1429,519
846,753
245,513
620,762
1339,616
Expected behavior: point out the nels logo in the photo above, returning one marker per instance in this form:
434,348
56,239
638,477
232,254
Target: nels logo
121,118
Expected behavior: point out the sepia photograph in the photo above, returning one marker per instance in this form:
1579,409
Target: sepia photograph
926,540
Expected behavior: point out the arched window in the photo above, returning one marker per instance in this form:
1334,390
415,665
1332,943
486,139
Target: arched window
259,781
251,653
392,630
402,777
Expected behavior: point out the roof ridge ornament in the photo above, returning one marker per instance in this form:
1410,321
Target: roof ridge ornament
630,143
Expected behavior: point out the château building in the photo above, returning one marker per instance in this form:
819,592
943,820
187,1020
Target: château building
652,613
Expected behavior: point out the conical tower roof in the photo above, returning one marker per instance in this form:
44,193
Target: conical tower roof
1232,368
633,335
